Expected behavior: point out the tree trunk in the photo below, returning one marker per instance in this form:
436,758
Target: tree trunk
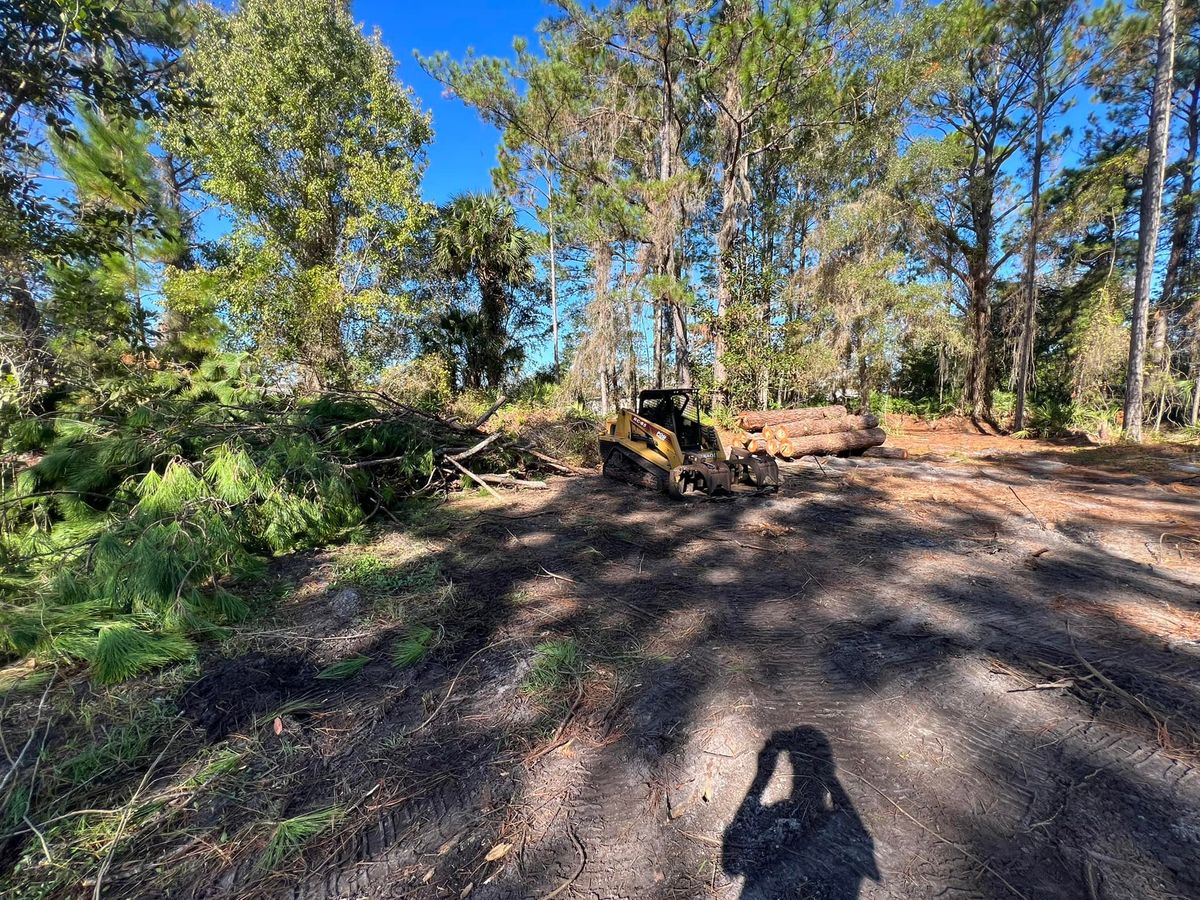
1185,202
977,395
1150,214
1181,250
1029,318
808,427
553,271
603,340
734,195
756,419
659,350
841,442
683,363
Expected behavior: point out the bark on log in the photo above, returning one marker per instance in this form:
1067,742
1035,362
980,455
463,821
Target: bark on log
886,452
806,427
754,419
840,442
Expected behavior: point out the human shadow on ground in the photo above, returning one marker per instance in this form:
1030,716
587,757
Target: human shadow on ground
812,843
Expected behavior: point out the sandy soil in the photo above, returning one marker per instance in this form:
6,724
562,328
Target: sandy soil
970,674
973,673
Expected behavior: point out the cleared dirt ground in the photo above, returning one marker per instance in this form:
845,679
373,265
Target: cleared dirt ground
973,673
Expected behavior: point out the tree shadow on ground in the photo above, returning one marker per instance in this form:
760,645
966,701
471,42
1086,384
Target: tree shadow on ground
840,606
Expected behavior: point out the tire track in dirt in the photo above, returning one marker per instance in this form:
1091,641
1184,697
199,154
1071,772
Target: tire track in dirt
903,646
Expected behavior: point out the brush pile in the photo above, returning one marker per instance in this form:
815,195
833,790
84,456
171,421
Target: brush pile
130,510
809,431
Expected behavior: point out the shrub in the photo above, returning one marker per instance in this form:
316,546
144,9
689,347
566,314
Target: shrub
154,494
423,383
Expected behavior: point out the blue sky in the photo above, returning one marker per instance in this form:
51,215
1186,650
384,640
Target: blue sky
464,149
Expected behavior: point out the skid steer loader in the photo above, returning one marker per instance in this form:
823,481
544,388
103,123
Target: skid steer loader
665,446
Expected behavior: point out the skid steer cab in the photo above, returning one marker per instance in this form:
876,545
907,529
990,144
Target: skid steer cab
665,446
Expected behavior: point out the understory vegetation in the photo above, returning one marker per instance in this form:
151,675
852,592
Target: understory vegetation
237,335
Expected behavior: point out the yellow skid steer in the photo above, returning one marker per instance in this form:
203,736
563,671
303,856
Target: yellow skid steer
665,446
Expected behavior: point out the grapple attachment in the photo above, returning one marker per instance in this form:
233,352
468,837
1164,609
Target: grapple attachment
760,472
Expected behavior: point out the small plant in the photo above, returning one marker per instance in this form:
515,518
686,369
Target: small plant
1051,419
290,835
366,570
412,648
555,665
394,743
343,669
519,597
223,762
122,748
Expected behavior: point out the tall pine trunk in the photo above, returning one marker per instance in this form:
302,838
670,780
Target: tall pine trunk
1029,317
1150,216
735,192
977,387
553,269
1168,306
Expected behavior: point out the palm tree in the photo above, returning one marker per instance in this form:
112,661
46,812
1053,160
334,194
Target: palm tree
478,238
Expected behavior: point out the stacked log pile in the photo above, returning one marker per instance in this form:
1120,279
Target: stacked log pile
808,431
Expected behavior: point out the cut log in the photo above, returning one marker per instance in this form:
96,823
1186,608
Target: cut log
754,419
886,452
757,445
806,427
786,449
771,446
839,442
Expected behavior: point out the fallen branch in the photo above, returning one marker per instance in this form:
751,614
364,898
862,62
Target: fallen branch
1027,509
483,484
487,441
513,481
32,732
478,423
454,681
1159,724
550,460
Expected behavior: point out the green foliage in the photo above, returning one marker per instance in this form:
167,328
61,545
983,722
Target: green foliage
121,747
1051,419
479,249
307,137
556,664
123,650
367,570
929,408
344,668
291,835
423,383
1003,403
223,762
121,543
413,647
